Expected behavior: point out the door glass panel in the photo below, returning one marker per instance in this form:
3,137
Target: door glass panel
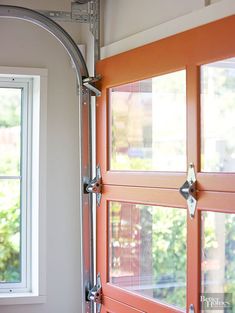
148,124
147,251
218,116
218,254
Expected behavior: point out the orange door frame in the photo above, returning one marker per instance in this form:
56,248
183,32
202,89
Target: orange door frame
188,50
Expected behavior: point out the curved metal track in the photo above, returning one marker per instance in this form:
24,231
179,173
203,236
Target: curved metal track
85,166
52,27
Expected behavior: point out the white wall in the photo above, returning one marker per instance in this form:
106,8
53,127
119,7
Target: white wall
123,18
128,24
26,45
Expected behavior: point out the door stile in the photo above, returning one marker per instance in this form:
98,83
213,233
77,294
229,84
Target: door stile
193,261
102,131
102,240
193,156
193,115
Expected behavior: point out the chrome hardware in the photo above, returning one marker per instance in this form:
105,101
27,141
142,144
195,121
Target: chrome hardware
95,294
82,11
89,82
189,190
95,185
191,308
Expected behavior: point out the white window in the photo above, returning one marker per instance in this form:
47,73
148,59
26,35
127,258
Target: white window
22,181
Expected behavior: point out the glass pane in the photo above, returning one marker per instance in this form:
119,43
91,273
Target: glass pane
218,254
10,128
147,251
10,231
218,116
148,124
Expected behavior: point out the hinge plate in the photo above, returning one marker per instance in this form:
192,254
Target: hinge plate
189,190
95,185
80,12
95,294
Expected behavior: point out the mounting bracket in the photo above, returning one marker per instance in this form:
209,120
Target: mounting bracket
89,82
81,12
95,294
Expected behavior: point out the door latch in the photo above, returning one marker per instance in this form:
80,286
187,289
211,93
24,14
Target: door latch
95,294
95,185
189,190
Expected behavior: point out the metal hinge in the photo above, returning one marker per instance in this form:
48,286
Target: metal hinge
95,186
95,294
89,83
189,190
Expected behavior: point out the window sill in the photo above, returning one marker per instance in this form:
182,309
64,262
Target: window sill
21,298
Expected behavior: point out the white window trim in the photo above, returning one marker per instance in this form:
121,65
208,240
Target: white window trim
25,84
37,291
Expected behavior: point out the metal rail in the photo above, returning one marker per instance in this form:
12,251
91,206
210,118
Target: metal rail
52,27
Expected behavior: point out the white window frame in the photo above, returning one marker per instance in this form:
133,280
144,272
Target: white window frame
33,83
25,84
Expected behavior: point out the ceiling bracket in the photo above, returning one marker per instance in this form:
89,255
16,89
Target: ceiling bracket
80,13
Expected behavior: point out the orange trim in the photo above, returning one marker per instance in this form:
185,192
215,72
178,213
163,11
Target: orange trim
198,46
217,201
150,196
112,306
193,115
216,181
144,179
193,261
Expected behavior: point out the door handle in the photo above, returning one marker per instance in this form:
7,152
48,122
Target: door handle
189,190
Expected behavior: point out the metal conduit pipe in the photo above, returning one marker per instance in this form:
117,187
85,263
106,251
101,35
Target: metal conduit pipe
55,29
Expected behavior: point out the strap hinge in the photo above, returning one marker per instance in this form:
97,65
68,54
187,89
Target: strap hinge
95,185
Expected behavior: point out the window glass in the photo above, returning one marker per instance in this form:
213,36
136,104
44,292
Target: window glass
10,129
148,124
10,247
147,251
10,185
218,255
218,116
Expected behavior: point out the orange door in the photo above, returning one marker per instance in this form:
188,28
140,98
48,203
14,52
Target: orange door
163,107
